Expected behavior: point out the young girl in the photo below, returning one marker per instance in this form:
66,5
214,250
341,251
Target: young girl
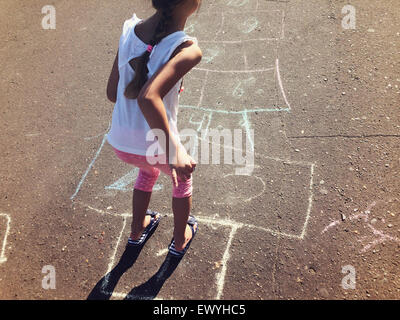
146,78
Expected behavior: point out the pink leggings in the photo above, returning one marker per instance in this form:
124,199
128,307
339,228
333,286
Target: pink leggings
148,173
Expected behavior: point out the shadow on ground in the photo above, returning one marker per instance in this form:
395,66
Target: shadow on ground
146,291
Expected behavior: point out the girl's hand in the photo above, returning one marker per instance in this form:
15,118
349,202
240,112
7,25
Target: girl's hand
182,165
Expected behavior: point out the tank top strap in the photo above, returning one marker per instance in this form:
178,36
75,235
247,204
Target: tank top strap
129,44
162,52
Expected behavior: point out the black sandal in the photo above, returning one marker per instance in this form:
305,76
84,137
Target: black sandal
191,222
147,233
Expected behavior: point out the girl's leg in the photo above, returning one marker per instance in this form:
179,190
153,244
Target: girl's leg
182,233
181,207
140,204
145,181
181,201
141,199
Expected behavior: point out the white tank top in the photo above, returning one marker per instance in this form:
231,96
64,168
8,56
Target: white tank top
129,127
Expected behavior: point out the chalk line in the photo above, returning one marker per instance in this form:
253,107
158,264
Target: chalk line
382,238
243,112
221,27
283,26
96,136
89,168
278,74
331,225
202,89
364,214
220,278
112,259
238,41
310,201
246,125
210,221
260,109
235,71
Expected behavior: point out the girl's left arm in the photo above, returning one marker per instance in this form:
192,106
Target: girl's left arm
112,85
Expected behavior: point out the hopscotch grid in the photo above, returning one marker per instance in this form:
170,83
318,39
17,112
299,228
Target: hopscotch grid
277,75
220,277
281,37
223,222
285,161
234,225
210,221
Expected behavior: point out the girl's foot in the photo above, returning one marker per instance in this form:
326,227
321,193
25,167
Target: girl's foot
136,234
180,245
179,248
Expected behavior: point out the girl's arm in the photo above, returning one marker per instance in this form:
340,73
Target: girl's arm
112,85
150,98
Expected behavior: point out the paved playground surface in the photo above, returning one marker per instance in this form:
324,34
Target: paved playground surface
323,196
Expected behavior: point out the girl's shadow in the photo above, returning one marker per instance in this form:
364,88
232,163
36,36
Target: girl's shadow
146,291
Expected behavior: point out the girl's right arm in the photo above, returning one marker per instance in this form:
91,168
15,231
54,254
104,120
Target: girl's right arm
150,101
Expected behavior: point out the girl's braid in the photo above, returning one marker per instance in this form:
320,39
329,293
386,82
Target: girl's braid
140,65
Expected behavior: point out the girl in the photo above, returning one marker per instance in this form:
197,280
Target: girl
144,83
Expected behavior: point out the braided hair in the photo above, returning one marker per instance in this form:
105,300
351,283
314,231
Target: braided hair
165,7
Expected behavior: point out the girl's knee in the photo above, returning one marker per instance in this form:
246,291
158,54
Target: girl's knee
184,189
146,179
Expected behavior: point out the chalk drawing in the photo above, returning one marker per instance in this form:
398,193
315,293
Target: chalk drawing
3,257
250,25
378,235
248,199
127,180
210,54
237,3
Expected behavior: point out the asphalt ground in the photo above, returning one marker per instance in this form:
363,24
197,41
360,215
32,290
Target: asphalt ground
322,199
